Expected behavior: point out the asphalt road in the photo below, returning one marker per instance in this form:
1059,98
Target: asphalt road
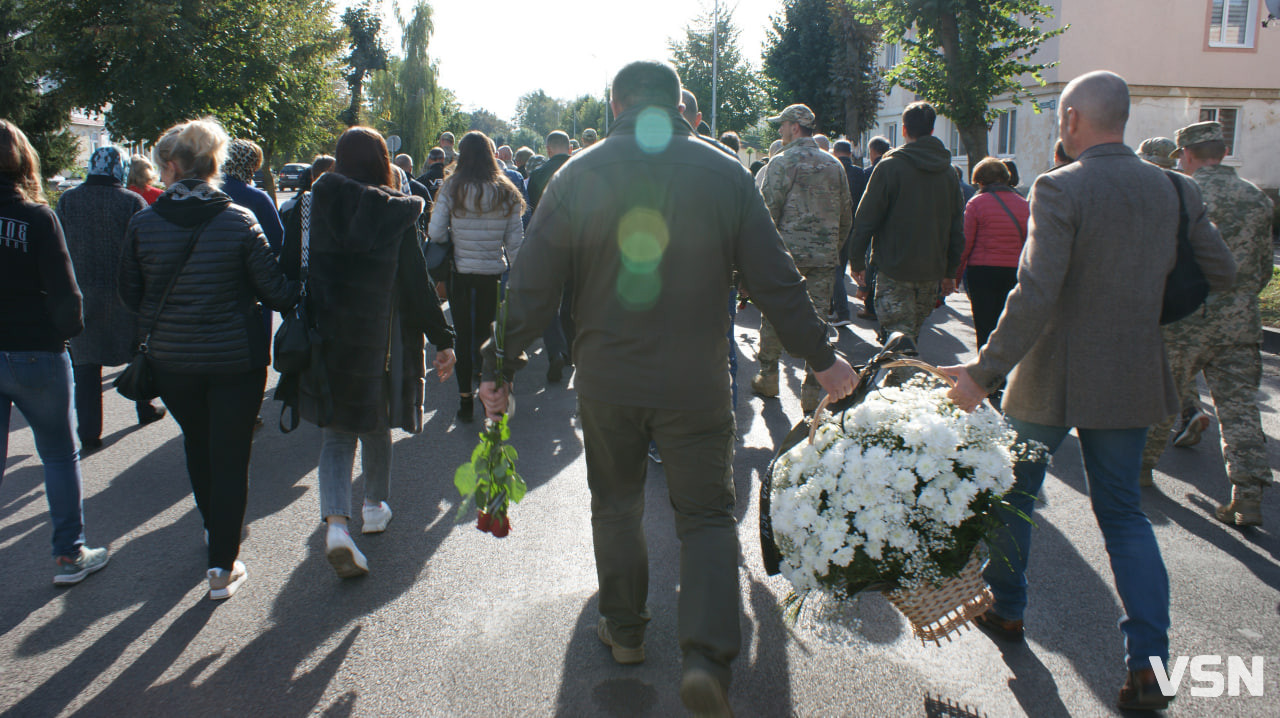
453,622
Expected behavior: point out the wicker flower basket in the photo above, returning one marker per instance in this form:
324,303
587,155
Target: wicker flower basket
936,613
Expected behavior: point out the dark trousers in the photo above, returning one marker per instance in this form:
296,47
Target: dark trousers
557,338
697,457
473,302
840,295
217,413
89,403
870,303
988,288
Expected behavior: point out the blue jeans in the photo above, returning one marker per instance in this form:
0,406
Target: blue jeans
39,384
1112,459
337,463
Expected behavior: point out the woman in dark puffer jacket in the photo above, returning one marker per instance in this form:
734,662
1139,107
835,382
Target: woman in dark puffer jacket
207,346
373,307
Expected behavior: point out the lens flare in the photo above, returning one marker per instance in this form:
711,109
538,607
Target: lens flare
642,240
653,130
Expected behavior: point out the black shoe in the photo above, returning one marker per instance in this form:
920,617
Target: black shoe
466,409
555,372
156,415
993,624
88,446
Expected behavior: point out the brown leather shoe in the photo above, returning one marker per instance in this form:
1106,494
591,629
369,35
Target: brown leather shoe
1141,692
997,626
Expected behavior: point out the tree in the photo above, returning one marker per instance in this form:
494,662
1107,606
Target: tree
821,54
963,54
487,122
367,54
417,112
586,111
41,111
739,93
539,112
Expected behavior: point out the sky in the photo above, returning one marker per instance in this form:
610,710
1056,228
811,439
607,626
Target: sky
566,47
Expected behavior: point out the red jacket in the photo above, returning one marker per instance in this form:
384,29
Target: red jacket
991,239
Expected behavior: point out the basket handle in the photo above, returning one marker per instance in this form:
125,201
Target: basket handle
916,363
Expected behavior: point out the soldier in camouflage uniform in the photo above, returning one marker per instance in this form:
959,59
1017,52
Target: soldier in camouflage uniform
807,193
912,217
1224,338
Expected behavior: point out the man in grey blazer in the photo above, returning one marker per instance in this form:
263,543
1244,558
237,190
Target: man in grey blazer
1078,339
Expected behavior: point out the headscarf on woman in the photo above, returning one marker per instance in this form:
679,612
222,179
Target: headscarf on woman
242,161
108,162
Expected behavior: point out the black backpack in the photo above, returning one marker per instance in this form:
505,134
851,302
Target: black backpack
1185,289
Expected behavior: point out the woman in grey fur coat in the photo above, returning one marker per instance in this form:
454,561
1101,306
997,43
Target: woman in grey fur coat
94,217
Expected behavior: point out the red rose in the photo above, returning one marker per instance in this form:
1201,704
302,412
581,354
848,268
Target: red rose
483,520
501,526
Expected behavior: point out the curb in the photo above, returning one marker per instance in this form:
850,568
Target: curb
1271,340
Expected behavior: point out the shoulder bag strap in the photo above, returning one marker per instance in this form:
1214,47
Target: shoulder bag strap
1184,220
304,213
1022,232
164,298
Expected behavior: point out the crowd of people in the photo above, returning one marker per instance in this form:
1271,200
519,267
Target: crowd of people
627,256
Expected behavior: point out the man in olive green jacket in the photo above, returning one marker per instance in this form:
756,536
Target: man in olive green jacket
647,227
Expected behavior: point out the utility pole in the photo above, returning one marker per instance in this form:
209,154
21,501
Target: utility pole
715,64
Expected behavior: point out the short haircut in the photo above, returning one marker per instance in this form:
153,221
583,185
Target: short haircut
879,145
1100,97
646,82
842,147
436,153
991,171
731,140
404,162
690,102
1212,150
802,131
918,119
823,141
321,164
558,140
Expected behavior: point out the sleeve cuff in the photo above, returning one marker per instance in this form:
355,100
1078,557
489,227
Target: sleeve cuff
824,359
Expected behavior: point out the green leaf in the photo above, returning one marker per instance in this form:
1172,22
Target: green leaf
465,479
509,451
516,487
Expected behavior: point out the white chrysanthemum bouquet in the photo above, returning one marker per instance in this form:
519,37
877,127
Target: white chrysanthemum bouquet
894,493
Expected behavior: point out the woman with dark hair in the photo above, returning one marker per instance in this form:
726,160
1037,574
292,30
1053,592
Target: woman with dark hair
94,217
42,309
1014,178
194,267
995,228
368,294
479,209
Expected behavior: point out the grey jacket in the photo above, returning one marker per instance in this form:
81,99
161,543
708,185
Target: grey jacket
484,243
94,218
1081,332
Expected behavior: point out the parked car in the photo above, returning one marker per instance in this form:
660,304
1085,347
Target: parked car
291,175
259,179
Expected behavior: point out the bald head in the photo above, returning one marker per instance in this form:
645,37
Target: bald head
1094,109
690,112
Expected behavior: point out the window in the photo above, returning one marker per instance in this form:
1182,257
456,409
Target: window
1007,134
890,55
957,147
1232,23
891,133
1229,117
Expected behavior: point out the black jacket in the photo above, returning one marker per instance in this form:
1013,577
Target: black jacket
40,304
211,323
372,303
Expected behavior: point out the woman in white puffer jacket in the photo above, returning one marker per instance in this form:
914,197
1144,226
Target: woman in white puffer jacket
479,209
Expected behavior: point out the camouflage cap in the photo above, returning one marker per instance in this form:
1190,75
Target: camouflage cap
1195,134
800,114
1158,151
589,133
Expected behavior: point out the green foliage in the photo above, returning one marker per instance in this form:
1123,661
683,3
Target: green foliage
1269,300
522,137
41,112
740,93
417,109
586,111
540,113
367,54
821,54
963,53
495,127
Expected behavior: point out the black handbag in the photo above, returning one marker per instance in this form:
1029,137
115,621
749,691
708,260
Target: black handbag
1185,289
439,254
293,341
137,381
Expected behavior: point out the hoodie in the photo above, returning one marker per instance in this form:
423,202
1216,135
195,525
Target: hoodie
911,215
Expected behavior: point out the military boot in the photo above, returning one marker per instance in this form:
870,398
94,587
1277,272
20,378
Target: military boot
766,382
810,394
1245,508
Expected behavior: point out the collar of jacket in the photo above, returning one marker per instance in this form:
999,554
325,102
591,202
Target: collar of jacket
1218,169
191,202
995,188
1107,149
801,142
361,216
102,181
9,191
625,124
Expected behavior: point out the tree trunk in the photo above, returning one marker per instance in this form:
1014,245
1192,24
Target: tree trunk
268,177
852,110
975,140
357,98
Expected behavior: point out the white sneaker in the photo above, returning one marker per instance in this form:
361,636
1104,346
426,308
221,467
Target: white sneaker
376,518
342,553
223,584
